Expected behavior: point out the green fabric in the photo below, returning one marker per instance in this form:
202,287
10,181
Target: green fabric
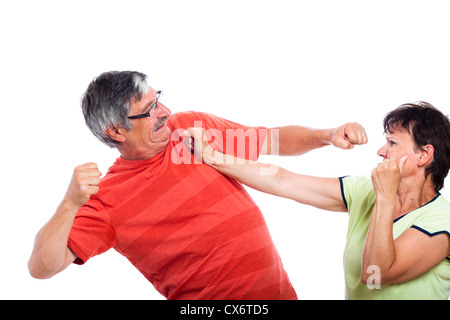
432,218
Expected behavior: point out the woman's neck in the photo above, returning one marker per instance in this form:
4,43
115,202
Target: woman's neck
413,194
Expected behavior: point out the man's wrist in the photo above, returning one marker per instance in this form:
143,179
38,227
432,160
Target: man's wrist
69,206
324,136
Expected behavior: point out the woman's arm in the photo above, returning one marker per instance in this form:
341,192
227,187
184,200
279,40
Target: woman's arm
401,259
323,193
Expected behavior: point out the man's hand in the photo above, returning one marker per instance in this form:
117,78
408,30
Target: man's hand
50,252
347,135
84,183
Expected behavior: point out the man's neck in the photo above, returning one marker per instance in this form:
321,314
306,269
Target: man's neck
135,154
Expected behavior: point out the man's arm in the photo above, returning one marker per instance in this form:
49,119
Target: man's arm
297,140
50,253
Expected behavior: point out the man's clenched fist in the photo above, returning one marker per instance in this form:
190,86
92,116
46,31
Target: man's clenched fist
84,183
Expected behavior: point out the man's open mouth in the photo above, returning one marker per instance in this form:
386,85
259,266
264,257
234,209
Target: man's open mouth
160,123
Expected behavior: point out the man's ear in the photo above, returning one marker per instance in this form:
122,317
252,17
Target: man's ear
426,154
115,134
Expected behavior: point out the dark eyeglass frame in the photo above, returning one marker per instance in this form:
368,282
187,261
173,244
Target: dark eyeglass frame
147,114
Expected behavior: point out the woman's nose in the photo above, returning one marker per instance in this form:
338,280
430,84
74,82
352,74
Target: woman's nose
382,151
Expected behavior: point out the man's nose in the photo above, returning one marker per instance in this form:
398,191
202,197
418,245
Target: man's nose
163,111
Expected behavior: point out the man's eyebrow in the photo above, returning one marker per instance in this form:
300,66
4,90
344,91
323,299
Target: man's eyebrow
148,106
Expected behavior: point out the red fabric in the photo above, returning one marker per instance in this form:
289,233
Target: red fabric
192,232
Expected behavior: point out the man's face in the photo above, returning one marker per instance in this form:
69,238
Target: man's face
149,132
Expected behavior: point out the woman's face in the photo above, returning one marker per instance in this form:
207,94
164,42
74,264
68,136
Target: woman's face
399,143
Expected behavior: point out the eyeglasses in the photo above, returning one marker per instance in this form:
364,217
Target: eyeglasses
147,114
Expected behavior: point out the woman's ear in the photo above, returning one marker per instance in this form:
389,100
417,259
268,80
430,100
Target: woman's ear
426,154
115,134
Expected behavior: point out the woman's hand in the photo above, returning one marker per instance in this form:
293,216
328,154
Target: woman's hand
196,141
386,177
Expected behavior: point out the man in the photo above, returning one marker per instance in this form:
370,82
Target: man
192,232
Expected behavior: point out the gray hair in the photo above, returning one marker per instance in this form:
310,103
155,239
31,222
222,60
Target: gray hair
107,101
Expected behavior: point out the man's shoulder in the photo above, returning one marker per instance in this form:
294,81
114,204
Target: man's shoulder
189,115
185,119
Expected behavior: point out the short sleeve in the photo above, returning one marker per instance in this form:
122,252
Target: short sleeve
357,192
436,221
226,136
92,232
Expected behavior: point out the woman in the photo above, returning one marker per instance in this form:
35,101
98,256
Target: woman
399,227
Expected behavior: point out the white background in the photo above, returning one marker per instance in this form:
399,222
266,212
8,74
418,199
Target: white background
318,63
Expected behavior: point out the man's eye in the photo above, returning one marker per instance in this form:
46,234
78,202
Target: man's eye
153,107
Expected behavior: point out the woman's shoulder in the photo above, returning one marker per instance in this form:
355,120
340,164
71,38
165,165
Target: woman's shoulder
434,217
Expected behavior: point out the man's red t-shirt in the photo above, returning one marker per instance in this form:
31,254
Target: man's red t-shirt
191,231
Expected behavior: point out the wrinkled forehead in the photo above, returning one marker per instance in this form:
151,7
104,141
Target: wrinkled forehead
397,131
398,126
400,133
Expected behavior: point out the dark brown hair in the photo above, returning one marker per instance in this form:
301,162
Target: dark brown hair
426,125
